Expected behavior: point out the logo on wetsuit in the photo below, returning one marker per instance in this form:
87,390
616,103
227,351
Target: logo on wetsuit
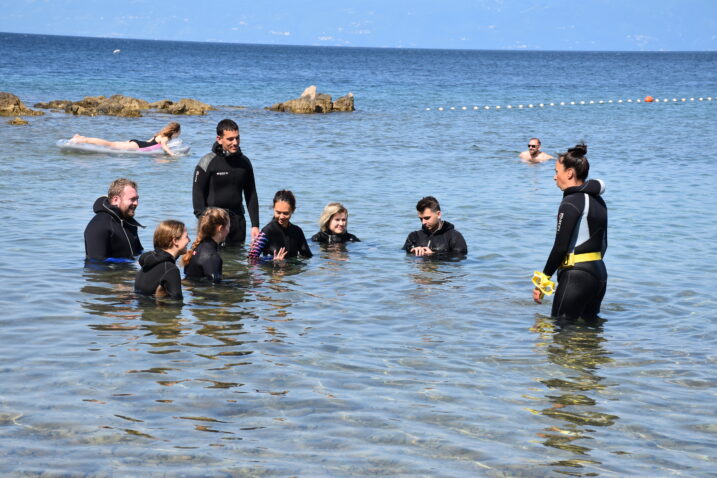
560,220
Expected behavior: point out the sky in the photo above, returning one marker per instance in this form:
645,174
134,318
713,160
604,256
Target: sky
606,25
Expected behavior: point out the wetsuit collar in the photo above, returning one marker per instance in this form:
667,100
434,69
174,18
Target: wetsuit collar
102,204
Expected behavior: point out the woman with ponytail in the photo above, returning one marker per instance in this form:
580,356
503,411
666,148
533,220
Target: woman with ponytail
580,242
159,275
203,261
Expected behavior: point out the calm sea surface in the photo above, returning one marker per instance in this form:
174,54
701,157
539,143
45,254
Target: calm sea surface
364,362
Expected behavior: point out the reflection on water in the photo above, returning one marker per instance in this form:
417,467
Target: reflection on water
574,392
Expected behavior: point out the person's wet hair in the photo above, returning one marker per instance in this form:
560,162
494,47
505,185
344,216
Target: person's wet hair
207,227
226,125
575,158
167,232
286,196
428,202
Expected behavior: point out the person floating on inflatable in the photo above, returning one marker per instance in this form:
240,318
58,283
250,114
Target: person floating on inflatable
156,142
580,243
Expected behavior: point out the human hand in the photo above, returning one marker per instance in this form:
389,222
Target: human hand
537,296
421,251
280,254
254,233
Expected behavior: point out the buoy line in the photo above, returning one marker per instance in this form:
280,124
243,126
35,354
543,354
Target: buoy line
647,99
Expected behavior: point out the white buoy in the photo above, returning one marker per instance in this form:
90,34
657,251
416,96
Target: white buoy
582,102
486,107
428,109
497,107
117,51
530,105
464,108
541,105
692,99
552,104
601,102
509,106
520,106
709,98
475,107
637,100
453,107
440,108
629,100
592,102
562,103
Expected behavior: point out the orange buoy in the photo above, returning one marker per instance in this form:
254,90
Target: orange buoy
648,99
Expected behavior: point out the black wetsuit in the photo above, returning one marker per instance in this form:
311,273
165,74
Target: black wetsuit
219,181
581,228
292,238
327,238
206,263
144,144
446,240
158,269
109,235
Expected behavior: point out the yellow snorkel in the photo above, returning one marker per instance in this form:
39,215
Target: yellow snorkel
543,283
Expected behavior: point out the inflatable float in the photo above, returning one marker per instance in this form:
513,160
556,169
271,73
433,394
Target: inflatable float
175,145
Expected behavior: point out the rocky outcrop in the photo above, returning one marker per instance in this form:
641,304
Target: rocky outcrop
17,121
10,105
311,101
126,106
185,106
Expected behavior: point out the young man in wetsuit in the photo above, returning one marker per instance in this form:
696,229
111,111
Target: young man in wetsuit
112,233
534,154
222,177
436,236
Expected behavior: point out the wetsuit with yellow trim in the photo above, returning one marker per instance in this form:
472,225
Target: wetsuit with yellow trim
580,244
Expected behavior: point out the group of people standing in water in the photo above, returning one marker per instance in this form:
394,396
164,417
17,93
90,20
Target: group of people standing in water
224,181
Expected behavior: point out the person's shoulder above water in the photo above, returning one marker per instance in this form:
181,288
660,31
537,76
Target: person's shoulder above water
323,237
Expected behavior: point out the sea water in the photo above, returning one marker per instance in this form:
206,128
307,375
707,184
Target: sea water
365,362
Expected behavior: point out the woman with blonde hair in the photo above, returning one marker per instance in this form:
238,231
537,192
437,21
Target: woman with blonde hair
159,275
202,260
333,224
157,141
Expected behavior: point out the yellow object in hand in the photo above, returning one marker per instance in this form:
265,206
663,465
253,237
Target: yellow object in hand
543,283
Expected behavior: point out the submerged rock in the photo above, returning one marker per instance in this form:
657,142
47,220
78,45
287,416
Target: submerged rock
311,101
10,105
17,121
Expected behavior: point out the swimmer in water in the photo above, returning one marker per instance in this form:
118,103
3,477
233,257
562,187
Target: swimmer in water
534,154
159,140
333,224
159,275
202,260
580,241
284,239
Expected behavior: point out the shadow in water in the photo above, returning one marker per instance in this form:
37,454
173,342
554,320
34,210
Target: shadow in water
574,391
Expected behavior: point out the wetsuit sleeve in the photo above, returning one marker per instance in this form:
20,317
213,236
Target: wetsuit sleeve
458,244
199,190
97,239
410,242
304,250
172,283
252,201
568,217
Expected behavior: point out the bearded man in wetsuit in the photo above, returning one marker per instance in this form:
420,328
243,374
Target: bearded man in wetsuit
222,177
111,235
436,236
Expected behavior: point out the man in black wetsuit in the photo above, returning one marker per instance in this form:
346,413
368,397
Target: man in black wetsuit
220,179
436,236
112,234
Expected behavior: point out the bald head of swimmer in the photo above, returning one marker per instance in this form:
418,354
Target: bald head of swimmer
228,135
572,167
429,213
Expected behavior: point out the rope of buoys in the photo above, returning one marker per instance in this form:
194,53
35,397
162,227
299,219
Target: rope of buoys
646,99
